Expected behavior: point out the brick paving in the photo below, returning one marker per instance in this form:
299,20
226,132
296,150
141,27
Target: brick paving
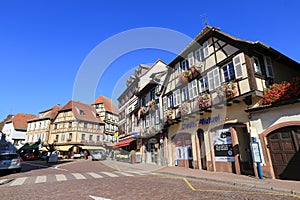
276,185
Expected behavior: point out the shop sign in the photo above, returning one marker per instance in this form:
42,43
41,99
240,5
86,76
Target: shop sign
223,146
209,120
255,152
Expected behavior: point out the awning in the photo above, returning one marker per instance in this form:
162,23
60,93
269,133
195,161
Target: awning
124,143
63,148
93,148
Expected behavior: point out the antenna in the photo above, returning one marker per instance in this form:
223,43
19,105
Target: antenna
204,19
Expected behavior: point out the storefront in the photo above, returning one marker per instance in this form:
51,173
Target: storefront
218,140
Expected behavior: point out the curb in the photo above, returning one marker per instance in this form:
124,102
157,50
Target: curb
279,190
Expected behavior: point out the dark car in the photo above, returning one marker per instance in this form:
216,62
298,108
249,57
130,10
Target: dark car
28,156
10,162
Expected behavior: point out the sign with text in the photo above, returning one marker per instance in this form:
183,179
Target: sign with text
223,146
255,152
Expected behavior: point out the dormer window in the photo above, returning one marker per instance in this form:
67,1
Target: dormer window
81,112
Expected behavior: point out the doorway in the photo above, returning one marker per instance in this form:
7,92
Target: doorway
284,149
200,133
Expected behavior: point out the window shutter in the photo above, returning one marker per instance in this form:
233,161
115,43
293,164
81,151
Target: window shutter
191,59
195,88
190,89
177,68
157,116
210,80
182,95
269,68
216,75
206,49
237,63
165,103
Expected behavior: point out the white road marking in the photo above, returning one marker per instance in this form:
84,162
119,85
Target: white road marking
60,177
123,173
37,165
78,176
3,181
18,181
139,172
98,198
110,174
40,179
94,175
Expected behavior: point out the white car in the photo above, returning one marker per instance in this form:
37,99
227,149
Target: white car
10,162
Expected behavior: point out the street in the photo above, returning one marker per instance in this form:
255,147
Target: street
80,179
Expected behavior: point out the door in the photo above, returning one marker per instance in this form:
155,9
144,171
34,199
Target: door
284,150
202,149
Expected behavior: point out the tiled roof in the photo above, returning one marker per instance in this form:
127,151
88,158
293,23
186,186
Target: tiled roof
108,104
49,113
20,120
81,111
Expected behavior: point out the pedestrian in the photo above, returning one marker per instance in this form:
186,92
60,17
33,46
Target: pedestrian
112,154
85,154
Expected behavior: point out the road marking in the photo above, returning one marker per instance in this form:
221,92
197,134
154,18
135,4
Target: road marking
138,172
110,174
188,183
241,192
117,167
78,176
2,181
98,198
94,175
123,173
60,177
18,181
37,165
40,179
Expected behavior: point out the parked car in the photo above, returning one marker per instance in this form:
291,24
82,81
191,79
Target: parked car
98,155
10,162
28,156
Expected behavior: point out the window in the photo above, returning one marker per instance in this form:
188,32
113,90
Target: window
185,94
269,68
98,138
203,84
176,97
91,138
213,79
191,59
152,95
84,125
81,112
70,136
82,136
193,89
165,103
256,64
206,49
199,55
228,72
62,138
185,65
171,102
70,124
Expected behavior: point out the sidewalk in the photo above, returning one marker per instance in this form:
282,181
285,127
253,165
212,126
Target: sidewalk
276,185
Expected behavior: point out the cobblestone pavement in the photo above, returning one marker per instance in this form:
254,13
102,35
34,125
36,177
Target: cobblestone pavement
115,180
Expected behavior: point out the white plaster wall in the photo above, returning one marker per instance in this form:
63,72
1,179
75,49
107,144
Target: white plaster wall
11,133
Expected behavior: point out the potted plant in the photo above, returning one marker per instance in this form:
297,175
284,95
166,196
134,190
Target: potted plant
204,101
230,89
183,109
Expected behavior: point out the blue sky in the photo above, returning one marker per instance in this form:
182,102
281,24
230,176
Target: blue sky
44,43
